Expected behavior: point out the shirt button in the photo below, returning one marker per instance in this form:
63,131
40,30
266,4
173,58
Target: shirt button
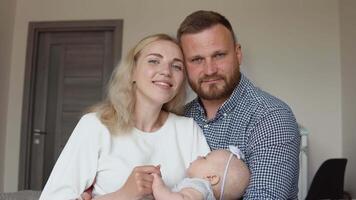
206,125
225,114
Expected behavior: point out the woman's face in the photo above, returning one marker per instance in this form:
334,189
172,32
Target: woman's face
159,72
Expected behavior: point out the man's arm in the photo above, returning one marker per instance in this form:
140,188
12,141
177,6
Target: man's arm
273,157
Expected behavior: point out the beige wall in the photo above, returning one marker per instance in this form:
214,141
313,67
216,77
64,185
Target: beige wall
291,49
7,18
348,72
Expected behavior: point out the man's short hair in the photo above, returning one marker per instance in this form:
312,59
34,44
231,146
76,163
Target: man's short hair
201,20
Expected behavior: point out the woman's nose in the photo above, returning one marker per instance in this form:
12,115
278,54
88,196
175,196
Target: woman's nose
165,70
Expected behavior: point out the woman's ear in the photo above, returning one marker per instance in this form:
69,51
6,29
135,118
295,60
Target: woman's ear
133,76
213,179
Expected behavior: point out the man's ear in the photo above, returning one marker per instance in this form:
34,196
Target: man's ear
238,52
213,179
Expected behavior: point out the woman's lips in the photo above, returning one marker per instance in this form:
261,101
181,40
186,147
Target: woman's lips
163,84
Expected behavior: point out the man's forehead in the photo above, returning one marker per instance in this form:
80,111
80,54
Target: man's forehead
212,31
205,43
202,52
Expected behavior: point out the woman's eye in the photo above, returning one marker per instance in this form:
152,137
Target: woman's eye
177,67
152,61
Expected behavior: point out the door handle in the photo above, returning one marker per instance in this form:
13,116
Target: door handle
38,132
38,136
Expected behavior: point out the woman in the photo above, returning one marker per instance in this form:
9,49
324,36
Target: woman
134,132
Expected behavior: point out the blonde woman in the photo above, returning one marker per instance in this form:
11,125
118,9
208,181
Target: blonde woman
135,132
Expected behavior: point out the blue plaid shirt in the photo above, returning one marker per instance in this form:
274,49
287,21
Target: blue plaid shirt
265,130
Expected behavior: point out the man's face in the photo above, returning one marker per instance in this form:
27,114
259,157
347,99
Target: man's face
212,60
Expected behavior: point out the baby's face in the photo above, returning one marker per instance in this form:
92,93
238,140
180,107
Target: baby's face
213,163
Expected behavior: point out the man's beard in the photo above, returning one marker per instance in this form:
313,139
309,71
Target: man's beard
216,91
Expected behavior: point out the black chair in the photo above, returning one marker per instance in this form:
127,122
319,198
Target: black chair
328,182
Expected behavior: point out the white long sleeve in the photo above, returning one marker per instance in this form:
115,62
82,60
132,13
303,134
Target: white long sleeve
92,152
76,167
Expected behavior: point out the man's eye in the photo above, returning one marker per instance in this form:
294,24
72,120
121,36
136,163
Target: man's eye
219,55
152,61
197,60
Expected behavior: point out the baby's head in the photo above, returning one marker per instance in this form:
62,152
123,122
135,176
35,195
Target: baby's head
212,168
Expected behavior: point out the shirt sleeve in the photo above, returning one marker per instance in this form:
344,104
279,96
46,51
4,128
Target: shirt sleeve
76,166
200,146
200,185
273,157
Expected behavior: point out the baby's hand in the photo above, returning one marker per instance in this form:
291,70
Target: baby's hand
157,182
159,189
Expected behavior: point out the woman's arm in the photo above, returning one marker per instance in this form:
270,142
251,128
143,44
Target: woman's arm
76,167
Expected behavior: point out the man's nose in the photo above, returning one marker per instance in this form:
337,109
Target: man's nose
210,67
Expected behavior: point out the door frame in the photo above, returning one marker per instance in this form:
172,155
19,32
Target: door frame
34,30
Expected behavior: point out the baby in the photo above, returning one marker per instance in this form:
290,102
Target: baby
219,175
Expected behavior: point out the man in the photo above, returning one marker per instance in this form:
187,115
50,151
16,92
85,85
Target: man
231,111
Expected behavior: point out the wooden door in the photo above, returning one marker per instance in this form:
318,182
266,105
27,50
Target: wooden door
69,72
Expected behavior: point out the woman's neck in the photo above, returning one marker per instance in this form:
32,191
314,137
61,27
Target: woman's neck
149,117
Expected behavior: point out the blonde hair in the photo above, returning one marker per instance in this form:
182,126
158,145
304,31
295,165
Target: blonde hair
116,111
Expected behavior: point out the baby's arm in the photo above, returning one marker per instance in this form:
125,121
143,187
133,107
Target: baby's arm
162,192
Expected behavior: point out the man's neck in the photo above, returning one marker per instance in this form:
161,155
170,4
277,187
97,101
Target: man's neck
211,107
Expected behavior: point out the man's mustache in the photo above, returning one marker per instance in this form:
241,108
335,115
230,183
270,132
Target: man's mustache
211,77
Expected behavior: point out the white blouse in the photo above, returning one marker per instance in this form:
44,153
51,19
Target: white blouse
93,155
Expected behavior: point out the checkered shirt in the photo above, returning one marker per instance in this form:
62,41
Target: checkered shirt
265,130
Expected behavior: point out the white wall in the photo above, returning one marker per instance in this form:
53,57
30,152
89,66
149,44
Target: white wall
7,18
291,49
348,74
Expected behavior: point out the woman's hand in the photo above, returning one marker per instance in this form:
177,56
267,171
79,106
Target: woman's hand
139,183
